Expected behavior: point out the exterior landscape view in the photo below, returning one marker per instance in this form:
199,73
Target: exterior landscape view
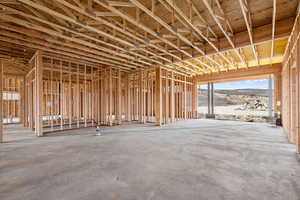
246,104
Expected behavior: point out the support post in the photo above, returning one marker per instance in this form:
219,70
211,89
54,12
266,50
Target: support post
71,100
298,104
1,99
128,100
140,98
172,100
297,85
194,100
184,99
119,99
158,99
38,94
208,99
212,99
110,100
278,93
61,98
270,102
77,96
22,101
26,108
85,99
167,110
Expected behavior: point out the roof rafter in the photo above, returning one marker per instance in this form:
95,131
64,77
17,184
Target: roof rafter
94,16
171,29
227,35
273,29
190,23
248,21
57,34
76,22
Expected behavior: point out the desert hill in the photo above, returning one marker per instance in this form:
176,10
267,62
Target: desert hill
234,96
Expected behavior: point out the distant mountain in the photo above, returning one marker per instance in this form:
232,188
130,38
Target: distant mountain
247,92
233,97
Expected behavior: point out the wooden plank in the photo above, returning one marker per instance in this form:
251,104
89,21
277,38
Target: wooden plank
38,94
240,74
172,99
1,99
71,100
248,21
194,100
25,102
85,99
297,93
61,95
140,98
158,97
167,106
119,98
77,96
51,97
110,97
185,98
128,98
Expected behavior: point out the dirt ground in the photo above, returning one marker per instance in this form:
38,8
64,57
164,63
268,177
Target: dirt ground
234,112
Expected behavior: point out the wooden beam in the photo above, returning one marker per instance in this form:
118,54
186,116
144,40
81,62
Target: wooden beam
261,34
197,30
69,19
277,93
128,98
172,30
38,93
167,94
37,44
90,28
110,97
217,20
158,96
194,99
247,18
241,74
1,99
105,14
172,98
184,99
144,28
120,4
273,29
119,98
124,31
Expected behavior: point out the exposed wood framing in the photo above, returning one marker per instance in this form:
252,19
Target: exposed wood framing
62,95
247,17
77,64
38,95
243,74
13,99
290,86
225,31
273,29
107,33
1,101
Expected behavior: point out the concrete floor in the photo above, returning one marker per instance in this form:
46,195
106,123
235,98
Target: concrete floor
195,159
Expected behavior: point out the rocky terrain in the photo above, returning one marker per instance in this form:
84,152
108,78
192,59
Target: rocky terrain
239,104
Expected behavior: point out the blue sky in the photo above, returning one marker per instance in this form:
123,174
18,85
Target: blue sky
257,84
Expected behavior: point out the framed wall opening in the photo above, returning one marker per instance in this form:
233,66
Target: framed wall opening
246,100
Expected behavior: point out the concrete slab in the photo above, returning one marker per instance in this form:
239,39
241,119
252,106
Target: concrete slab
195,159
